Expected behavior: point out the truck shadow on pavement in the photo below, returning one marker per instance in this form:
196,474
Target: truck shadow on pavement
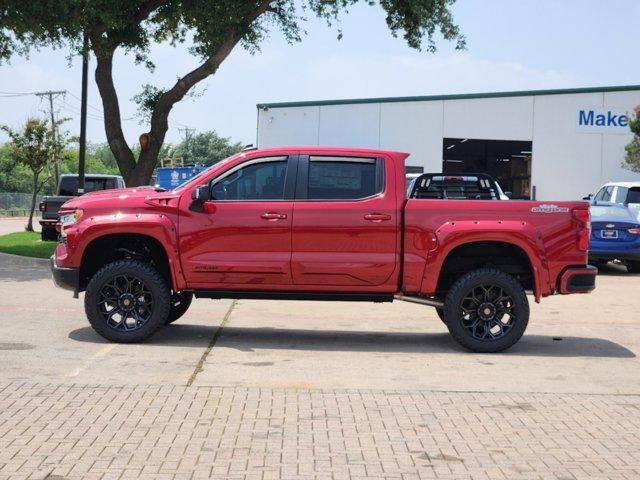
614,270
255,338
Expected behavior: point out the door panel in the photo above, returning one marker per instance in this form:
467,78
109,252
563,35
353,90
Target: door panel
243,236
349,242
233,242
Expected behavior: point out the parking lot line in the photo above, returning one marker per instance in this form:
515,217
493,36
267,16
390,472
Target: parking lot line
100,353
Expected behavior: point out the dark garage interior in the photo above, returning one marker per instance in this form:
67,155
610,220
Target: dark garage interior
508,161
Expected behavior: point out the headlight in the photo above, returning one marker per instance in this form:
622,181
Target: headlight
69,219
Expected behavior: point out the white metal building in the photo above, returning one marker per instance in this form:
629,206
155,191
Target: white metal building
543,144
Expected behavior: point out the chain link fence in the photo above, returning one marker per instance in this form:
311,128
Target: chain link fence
17,204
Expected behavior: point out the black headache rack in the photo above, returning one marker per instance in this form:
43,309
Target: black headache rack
455,186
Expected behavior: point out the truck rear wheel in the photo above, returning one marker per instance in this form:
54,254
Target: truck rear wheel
180,303
486,310
127,301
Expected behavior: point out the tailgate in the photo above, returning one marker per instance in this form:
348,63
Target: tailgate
52,206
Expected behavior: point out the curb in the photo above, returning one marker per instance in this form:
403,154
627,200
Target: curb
8,259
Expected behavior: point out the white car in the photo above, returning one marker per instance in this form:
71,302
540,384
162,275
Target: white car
623,193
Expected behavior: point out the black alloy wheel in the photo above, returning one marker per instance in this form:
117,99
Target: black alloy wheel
486,310
127,301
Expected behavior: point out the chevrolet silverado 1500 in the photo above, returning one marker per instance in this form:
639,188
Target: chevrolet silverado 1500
317,224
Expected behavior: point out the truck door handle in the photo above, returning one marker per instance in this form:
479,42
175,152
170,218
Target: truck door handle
273,216
377,217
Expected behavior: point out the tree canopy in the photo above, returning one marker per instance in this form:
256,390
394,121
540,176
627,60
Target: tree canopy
632,150
205,148
36,148
213,28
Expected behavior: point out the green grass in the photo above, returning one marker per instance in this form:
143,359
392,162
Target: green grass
27,244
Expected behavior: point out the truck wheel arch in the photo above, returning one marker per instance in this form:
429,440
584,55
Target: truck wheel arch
505,256
111,247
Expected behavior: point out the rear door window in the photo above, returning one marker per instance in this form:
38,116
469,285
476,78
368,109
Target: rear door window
344,178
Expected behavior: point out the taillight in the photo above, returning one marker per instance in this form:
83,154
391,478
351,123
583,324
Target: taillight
584,232
634,231
42,207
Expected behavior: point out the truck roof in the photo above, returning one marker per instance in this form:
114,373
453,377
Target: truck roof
331,150
101,175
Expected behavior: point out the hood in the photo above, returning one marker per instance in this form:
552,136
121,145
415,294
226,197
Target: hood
117,199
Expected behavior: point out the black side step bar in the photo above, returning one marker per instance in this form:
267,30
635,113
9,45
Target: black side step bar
333,297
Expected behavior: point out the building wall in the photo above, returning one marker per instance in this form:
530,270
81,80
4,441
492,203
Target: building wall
568,161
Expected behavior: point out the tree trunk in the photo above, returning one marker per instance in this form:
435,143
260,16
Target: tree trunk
139,172
34,197
112,122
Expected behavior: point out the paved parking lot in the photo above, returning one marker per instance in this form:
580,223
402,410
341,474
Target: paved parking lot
317,390
16,224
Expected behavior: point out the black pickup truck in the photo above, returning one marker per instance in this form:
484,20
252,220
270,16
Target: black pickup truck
68,188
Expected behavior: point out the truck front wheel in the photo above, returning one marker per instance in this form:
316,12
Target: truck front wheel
127,301
486,310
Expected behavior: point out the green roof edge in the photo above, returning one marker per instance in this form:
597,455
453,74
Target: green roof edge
460,96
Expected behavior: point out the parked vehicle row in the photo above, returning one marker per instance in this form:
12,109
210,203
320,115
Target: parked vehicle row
615,225
321,224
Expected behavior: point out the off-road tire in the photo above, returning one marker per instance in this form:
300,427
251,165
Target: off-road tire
463,287
156,285
179,305
49,234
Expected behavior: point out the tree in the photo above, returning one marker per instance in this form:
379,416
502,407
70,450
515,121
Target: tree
632,156
206,148
215,28
36,148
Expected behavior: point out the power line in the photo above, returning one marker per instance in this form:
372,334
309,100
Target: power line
53,94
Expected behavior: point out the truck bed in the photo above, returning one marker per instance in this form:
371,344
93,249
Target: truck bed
545,231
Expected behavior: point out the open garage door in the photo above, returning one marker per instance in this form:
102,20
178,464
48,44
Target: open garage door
508,161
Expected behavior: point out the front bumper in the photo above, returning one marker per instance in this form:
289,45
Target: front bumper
66,278
578,279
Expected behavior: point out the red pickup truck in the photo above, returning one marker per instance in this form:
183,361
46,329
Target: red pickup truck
317,224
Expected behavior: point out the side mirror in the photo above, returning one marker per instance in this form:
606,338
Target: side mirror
588,197
508,194
200,194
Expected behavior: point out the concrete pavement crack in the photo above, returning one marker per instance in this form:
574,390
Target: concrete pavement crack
214,339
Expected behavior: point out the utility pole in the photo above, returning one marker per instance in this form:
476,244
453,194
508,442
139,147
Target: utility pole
52,94
187,136
83,113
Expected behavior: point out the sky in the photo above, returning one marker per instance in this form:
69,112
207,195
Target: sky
511,45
